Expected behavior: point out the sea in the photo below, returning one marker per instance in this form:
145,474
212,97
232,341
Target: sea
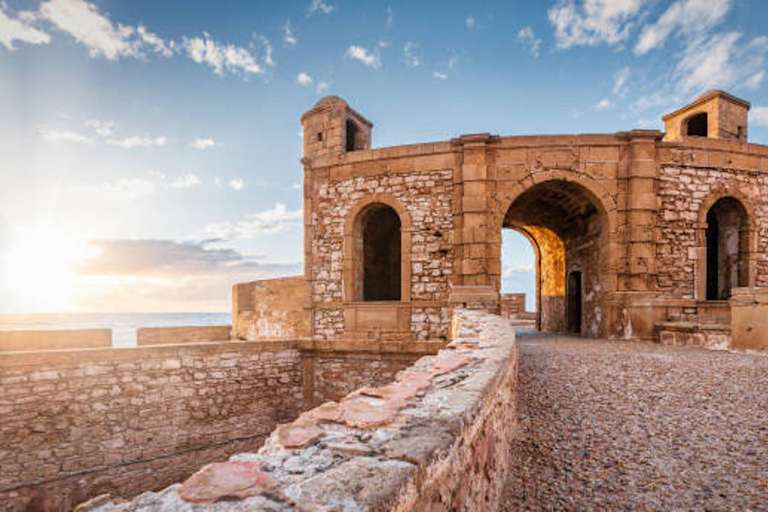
123,325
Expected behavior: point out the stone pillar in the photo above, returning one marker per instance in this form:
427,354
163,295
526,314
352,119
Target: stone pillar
474,213
639,277
749,318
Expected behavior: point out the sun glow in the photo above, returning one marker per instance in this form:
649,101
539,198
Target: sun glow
37,270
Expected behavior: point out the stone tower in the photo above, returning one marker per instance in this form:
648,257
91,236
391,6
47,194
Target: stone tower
714,115
331,127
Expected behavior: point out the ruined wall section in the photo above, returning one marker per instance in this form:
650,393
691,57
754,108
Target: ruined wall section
691,178
77,423
423,187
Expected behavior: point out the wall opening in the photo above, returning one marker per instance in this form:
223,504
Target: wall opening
519,273
727,239
697,125
352,135
574,302
380,253
565,223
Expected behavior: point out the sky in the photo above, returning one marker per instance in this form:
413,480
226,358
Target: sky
150,151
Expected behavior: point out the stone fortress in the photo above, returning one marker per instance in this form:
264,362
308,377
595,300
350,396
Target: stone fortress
638,235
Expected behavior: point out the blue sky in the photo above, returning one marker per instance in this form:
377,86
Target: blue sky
150,150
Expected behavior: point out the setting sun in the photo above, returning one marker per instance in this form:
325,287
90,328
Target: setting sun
37,269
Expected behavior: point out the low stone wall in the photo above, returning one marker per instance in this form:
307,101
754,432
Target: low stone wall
749,318
333,370
78,423
16,341
271,309
436,439
177,335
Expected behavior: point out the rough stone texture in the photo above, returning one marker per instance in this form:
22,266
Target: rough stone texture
177,335
335,375
271,309
446,421
14,341
636,426
627,211
74,424
427,197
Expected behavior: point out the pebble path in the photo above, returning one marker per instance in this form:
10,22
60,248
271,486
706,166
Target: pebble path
634,426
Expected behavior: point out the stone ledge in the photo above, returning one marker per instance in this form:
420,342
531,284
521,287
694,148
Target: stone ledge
436,439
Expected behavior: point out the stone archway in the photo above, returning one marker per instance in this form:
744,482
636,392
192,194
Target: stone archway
567,224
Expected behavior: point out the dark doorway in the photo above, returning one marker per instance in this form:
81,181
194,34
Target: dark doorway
712,256
381,254
698,126
574,302
351,136
727,237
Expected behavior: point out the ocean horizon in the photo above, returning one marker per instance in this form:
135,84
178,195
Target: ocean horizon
123,325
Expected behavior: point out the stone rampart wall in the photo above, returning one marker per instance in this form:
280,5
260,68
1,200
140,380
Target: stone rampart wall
435,439
271,309
178,335
14,341
77,423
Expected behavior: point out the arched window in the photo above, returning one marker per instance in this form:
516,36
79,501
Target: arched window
697,125
379,242
352,131
727,246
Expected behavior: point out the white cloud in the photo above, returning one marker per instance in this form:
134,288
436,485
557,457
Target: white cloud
203,143
304,79
158,44
221,57
19,30
369,58
689,17
101,128
439,75
296,186
759,116
186,181
269,221
236,184
55,135
268,60
620,81
527,37
84,22
595,22
413,54
470,22
320,6
603,104
720,62
289,38
755,80
136,141
322,87
390,17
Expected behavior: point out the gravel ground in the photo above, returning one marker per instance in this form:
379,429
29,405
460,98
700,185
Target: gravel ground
629,426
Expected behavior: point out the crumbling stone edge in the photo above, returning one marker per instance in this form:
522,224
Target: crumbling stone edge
438,438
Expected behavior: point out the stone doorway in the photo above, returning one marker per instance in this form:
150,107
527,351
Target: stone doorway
574,302
567,227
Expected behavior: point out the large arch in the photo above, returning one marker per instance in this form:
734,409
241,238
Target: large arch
569,227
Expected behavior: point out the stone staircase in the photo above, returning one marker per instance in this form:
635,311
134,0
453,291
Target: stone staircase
706,325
